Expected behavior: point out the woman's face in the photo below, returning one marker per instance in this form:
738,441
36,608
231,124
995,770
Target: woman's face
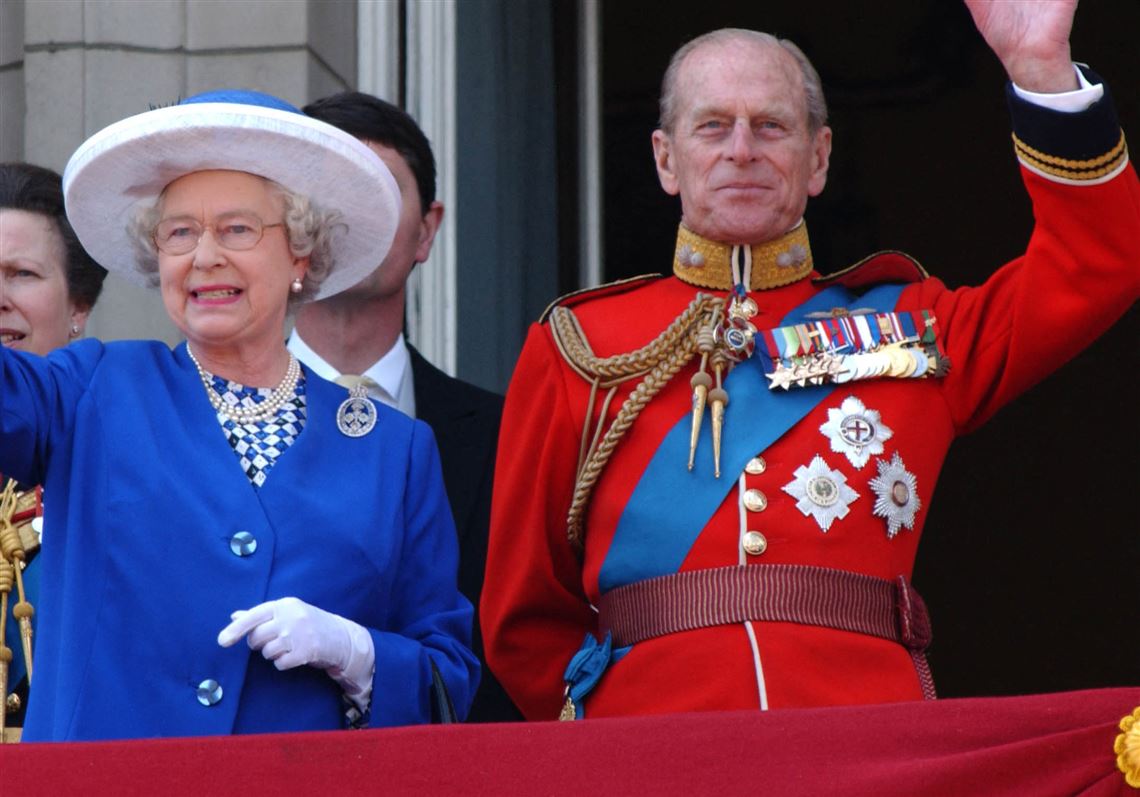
36,314
219,297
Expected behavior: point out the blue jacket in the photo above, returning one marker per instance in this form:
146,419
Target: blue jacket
143,495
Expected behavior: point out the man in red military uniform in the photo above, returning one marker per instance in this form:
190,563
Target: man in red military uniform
718,480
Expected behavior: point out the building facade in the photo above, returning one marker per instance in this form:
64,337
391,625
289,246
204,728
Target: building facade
467,71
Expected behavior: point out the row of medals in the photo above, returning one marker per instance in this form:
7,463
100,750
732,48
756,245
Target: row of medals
900,359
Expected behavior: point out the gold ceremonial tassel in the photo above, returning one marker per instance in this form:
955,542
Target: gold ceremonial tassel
700,382
718,398
5,657
23,612
6,578
706,343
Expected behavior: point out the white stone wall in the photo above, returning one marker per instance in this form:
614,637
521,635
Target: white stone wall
70,67
11,80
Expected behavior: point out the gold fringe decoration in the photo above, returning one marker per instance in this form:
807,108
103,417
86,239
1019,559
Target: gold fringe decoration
1127,749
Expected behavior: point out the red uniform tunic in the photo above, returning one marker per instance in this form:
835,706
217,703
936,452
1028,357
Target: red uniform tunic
1079,274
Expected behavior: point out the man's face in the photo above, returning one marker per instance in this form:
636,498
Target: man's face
740,154
414,234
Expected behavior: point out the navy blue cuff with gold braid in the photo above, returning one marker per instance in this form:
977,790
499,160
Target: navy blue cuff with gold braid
1087,147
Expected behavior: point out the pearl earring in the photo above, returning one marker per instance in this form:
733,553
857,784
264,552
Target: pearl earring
297,286
75,330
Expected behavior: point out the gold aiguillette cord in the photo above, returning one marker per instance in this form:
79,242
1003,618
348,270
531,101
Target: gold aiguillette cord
11,558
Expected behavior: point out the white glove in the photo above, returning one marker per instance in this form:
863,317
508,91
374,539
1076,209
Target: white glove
290,632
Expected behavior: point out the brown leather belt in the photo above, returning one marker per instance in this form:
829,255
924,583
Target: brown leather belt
771,593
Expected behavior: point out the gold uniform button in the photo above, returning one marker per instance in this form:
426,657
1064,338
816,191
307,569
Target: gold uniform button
754,543
756,466
755,501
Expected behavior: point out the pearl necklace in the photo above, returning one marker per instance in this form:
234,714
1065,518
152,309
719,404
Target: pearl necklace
264,411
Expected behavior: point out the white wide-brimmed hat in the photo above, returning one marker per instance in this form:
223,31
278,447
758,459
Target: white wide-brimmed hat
127,165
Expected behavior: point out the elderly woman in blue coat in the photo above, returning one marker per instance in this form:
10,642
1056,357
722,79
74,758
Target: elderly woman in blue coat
219,493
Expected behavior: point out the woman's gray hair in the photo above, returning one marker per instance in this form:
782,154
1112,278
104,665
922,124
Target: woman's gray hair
813,88
311,232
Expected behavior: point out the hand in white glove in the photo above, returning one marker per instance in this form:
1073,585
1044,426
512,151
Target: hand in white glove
290,632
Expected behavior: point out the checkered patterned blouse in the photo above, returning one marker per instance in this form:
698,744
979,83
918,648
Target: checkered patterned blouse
259,444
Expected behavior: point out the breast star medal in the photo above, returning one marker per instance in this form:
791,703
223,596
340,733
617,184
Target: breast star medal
896,491
855,431
821,493
356,415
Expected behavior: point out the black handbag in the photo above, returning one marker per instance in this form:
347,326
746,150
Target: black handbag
442,710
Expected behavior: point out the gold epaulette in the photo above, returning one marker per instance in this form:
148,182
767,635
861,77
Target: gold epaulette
598,291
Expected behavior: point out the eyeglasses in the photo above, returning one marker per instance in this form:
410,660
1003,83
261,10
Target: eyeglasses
234,231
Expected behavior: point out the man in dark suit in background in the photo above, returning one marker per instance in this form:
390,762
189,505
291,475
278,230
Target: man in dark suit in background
358,336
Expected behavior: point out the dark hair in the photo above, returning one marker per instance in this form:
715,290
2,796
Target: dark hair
372,119
34,189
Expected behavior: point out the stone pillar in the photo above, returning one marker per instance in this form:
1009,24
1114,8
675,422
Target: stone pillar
11,80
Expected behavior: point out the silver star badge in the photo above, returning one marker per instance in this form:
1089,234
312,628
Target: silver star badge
821,493
855,431
896,491
781,376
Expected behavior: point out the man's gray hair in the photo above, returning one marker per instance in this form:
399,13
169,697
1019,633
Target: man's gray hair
813,89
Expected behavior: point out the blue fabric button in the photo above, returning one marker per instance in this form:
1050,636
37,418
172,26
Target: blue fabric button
243,544
209,692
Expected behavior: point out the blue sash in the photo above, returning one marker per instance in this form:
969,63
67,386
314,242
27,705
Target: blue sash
671,505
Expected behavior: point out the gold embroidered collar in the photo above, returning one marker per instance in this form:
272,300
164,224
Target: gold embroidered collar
772,264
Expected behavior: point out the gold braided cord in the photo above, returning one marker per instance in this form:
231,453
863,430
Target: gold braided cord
582,448
649,387
1072,175
1037,155
15,553
12,556
1083,171
658,362
599,427
589,441
572,344
7,580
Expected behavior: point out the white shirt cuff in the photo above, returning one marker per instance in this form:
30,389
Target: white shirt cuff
1067,101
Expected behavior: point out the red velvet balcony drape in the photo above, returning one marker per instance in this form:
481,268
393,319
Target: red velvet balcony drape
1057,744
